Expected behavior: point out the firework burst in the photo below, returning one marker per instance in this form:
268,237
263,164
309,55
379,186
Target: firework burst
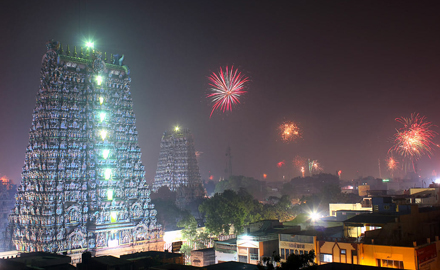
289,131
226,87
281,164
392,164
414,139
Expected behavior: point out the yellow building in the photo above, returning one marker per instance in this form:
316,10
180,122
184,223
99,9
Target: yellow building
331,250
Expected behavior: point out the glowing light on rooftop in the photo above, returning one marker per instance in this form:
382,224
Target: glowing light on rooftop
314,216
101,100
177,128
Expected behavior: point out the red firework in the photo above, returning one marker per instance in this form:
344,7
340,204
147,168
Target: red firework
281,164
226,89
414,139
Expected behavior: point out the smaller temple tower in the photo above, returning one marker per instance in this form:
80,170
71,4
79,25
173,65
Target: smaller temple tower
177,165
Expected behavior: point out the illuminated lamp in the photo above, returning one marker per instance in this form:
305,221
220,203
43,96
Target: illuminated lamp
105,153
110,194
107,174
103,134
101,100
102,116
176,128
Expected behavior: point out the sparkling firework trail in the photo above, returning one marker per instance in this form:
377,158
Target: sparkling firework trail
226,89
289,131
414,139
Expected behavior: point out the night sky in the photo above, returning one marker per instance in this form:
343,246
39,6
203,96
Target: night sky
342,70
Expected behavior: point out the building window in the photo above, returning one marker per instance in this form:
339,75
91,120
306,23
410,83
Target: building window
254,254
392,264
326,257
242,259
282,254
343,251
287,253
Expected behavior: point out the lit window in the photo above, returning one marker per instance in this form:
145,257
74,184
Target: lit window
107,174
103,134
105,153
113,216
99,80
102,116
326,257
101,100
110,194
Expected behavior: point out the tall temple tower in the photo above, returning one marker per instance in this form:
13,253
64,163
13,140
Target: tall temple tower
83,184
177,165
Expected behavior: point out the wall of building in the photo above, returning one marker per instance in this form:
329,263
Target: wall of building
376,255
340,252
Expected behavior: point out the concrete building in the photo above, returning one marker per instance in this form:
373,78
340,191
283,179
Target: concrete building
203,257
226,251
364,205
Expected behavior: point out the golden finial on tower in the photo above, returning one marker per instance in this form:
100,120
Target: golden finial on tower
68,50
105,56
61,48
81,54
74,51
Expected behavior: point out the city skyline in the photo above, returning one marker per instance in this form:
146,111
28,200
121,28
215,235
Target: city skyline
343,71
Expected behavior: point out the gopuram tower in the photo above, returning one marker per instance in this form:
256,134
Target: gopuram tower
83,184
177,165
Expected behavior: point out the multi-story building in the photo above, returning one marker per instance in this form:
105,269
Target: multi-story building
177,165
83,184
7,200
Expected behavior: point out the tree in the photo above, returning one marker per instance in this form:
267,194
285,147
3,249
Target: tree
235,183
295,262
230,208
194,238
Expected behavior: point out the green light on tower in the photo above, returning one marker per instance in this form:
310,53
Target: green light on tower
107,174
103,134
98,80
113,216
110,194
105,153
102,116
90,45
